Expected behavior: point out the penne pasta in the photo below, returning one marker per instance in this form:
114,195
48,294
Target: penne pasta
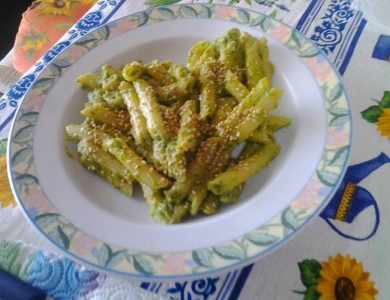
174,129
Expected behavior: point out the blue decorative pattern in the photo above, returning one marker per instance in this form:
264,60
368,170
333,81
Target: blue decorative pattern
90,21
329,34
382,48
60,279
223,287
19,89
201,287
55,50
338,32
271,3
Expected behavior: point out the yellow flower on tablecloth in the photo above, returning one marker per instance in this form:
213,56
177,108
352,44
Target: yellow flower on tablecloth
87,2
379,114
344,278
56,7
34,41
44,22
6,196
383,123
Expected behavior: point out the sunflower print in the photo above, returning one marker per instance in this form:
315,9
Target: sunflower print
343,278
87,2
60,7
55,7
44,23
34,40
383,123
6,196
338,278
379,114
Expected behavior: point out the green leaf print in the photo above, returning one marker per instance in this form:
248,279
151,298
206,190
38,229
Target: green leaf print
340,116
23,133
385,101
116,258
20,156
310,271
3,146
167,13
310,52
83,42
202,257
339,120
273,14
229,252
371,114
26,179
153,3
104,254
289,219
328,178
107,257
335,93
43,82
32,116
338,111
311,293
298,39
143,18
244,15
142,265
105,32
62,64
59,236
205,12
265,24
258,21
46,219
261,239
188,11
339,158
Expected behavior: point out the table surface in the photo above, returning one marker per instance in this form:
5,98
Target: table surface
327,254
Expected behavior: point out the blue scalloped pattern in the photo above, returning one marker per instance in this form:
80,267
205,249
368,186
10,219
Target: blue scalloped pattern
61,278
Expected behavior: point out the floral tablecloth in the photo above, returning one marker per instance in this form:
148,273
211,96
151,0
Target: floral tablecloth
336,256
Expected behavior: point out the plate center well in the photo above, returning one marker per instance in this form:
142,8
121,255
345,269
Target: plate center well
98,209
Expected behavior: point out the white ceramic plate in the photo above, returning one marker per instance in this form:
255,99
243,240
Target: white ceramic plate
96,224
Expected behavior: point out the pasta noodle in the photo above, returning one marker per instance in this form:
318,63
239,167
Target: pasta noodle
173,128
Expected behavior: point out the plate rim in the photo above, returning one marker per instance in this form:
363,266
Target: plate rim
231,261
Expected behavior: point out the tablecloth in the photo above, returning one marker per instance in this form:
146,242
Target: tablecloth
328,259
